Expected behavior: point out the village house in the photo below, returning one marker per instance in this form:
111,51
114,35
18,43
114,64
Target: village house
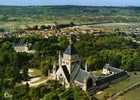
23,47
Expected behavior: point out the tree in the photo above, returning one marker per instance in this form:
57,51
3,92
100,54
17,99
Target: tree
46,66
55,97
25,73
91,62
21,92
42,27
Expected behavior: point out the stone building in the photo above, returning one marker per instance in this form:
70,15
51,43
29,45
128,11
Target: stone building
69,71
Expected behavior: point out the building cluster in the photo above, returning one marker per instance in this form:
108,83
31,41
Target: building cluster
5,35
69,72
23,47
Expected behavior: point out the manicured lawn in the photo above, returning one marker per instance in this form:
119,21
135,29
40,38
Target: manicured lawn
114,88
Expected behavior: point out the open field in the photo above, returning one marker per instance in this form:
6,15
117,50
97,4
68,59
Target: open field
15,17
131,95
114,88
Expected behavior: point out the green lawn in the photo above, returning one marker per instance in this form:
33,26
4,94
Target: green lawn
131,95
119,86
35,72
98,72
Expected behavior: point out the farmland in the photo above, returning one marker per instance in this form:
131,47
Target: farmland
15,17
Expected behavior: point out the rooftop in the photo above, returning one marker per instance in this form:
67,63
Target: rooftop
70,50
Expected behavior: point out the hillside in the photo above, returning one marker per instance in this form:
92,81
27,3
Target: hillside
15,16
68,11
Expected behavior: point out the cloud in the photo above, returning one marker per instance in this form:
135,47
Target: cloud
72,2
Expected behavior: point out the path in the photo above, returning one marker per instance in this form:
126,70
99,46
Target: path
35,82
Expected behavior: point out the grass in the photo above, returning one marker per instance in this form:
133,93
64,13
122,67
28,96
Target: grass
131,95
114,88
35,72
40,80
16,25
98,72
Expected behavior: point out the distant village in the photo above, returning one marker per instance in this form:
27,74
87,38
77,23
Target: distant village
64,29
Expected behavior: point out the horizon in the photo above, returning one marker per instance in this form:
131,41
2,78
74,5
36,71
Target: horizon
116,3
66,5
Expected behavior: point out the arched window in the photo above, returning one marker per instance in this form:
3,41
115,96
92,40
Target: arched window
89,83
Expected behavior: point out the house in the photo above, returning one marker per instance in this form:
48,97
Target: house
107,70
22,47
112,75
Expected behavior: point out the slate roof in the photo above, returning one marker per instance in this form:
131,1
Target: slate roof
66,72
82,76
113,69
70,50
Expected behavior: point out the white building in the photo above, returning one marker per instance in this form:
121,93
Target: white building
69,71
23,48
107,70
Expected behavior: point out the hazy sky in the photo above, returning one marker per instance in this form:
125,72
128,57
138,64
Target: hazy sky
72,2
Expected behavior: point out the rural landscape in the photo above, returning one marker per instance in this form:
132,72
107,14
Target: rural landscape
69,53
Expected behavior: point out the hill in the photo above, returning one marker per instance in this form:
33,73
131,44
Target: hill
15,16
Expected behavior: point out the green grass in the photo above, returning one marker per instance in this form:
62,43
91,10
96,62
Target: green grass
131,95
114,88
35,72
98,72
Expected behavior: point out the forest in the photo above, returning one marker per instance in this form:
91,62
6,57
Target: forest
96,51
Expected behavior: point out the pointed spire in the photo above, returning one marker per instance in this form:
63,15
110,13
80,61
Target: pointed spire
60,59
54,67
86,66
70,39
71,49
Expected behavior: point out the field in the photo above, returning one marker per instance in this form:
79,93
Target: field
15,17
118,49
131,95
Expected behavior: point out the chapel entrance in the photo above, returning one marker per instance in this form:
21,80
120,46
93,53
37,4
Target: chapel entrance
89,83
90,86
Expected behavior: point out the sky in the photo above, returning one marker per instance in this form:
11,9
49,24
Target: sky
72,2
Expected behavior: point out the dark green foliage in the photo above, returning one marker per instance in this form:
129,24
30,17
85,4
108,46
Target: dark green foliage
113,49
21,92
11,65
46,66
47,91
95,51
55,97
